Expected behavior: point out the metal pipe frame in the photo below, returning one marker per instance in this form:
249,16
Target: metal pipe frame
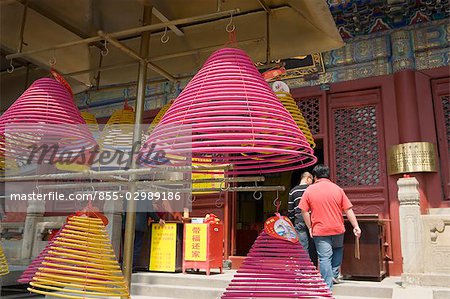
128,32
92,174
164,57
130,222
193,190
163,18
130,52
265,6
146,183
56,19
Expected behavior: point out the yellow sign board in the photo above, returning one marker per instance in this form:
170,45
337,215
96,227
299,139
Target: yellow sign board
195,242
163,247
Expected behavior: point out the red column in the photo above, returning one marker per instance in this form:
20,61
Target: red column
408,119
407,108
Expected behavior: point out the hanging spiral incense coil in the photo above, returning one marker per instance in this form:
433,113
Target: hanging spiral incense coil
80,264
159,116
91,122
229,113
45,114
4,269
289,103
118,131
30,271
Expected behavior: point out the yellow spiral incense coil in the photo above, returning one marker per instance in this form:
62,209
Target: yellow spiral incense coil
289,103
91,122
80,264
118,131
4,269
7,164
159,116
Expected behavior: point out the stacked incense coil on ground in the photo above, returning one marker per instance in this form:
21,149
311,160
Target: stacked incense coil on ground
4,269
277,268
289,103
80,264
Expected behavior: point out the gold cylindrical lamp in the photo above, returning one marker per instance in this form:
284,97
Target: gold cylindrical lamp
412,157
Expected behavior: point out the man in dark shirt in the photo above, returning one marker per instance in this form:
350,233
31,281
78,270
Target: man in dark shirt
294,212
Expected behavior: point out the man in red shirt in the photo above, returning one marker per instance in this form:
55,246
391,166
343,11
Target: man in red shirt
327,201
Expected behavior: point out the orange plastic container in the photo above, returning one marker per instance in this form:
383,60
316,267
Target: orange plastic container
203,246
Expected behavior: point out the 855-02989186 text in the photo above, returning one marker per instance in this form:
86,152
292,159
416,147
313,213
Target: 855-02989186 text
98,195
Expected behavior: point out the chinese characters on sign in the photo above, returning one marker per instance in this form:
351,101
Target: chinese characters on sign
195,242
163,247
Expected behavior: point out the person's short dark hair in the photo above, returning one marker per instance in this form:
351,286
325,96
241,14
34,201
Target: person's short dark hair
321,171
305,175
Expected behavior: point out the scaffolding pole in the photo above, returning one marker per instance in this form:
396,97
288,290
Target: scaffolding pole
130,223
129,32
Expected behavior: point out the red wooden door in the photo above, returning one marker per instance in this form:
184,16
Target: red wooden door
357,149
441,101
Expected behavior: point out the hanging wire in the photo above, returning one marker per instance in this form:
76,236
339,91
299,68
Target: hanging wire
230,26
11,68
165,38
105,51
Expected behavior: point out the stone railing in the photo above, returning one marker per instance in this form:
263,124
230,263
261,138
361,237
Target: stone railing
425,239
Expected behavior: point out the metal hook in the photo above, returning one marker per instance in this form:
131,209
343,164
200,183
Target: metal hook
52,61
276,202
257,197
225,185
10,70
105,51
256,192
165,38
230,26
219,201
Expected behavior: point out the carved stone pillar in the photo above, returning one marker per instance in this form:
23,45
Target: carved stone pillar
35,212
411,228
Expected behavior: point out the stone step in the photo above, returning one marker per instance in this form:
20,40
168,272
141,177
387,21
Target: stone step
363,289
176,291
212,281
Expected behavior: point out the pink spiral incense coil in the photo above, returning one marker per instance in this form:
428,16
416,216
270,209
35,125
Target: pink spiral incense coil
228,114
44,114
276,268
